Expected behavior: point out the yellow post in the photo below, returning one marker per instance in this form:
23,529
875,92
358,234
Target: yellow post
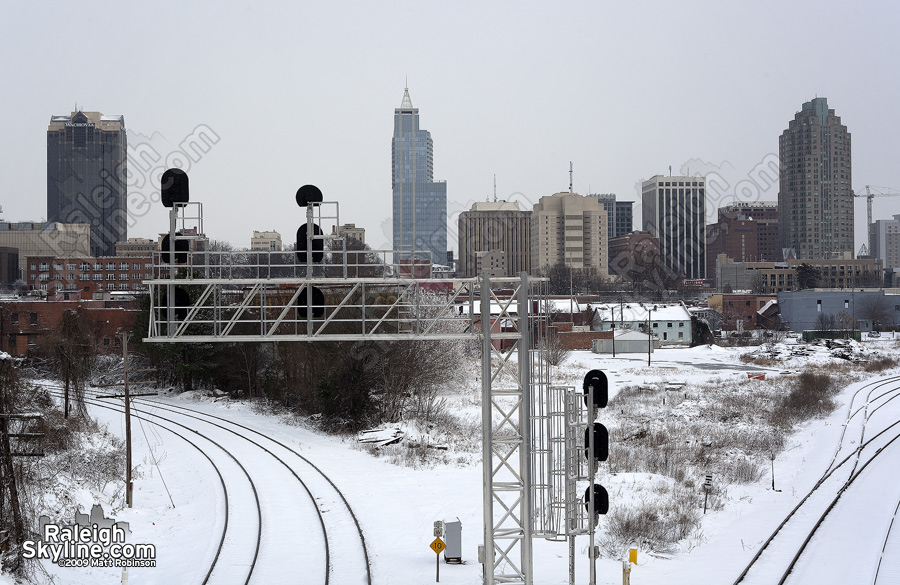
632,555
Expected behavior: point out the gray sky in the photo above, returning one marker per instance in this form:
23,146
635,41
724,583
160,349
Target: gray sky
297,93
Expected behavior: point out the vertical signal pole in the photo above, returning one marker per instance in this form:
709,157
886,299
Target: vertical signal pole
525,465
129,492
170,288
486,442
592,472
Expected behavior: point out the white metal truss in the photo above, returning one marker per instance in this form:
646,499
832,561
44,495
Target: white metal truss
355,295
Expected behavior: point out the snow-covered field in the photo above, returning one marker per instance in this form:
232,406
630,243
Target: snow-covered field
397,504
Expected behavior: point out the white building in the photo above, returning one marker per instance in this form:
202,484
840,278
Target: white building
669,322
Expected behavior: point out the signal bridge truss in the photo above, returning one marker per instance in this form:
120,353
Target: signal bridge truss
329,291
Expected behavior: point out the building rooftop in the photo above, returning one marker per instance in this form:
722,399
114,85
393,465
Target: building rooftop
496,206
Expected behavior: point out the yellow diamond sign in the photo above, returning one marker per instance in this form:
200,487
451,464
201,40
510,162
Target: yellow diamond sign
438,545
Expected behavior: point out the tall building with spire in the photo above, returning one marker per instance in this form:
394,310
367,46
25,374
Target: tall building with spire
815,197
419,202
86,176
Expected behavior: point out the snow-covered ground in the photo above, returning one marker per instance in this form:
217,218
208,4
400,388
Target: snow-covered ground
396,505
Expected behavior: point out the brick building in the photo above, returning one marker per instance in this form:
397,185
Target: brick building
23,321
89,275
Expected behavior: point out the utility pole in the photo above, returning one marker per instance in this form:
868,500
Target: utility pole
649,335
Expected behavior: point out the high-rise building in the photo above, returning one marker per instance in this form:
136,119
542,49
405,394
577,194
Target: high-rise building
492,227
814,193
745,232
419,202
569,229
674,210
86,176
618,214
886,241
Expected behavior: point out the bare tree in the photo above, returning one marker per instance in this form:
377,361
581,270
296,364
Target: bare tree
876,309
71,348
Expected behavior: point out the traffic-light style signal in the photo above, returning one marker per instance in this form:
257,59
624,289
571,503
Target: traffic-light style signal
318,304
174,187
309,196
596,379
600,497
318,244
601,442
182,302
181,250
596,440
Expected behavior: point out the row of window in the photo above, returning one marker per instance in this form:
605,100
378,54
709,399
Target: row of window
43,267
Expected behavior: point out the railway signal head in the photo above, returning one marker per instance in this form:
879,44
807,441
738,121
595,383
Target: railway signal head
600,442
309,238
600,497
174,187
596,380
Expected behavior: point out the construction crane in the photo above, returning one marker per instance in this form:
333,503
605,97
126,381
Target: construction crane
869,196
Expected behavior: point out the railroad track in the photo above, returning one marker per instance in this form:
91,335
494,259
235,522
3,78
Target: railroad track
779,555
236,513
345,556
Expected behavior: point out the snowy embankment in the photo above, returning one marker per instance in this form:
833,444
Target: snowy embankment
399,490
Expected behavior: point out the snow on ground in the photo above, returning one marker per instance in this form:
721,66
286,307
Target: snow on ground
397,504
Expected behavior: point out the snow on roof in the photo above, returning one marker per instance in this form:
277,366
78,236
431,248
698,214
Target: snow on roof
495,308
638,312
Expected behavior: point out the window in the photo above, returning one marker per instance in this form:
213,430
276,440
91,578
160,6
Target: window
123,286
12,340
681,335
32,339
33,266
106,342
123,265
681,324
33,319
136,266
669,325
818,306
110,265
14,319
98,266
123,276
85,266
846,304
71,267
57,267
110,276
98,277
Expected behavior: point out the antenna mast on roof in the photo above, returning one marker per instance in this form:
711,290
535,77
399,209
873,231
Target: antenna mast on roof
495,188
570,176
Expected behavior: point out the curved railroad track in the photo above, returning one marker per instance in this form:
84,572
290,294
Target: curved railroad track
345,550
233,505
771,561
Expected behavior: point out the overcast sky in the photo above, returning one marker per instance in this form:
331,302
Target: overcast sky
294,93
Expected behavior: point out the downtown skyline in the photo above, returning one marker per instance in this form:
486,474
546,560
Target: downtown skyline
502,94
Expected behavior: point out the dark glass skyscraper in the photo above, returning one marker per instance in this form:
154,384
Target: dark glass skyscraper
86,174
815,197
420,203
